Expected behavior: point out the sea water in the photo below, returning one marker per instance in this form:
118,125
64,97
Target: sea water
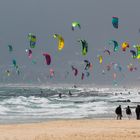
21,104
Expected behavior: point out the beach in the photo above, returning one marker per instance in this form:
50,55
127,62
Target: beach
84,129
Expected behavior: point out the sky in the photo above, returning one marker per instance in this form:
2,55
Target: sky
47,17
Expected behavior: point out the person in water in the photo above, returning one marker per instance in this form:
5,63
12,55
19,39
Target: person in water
70,94
118,112
60,95
137,110
128,112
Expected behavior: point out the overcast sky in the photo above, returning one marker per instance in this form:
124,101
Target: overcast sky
47,17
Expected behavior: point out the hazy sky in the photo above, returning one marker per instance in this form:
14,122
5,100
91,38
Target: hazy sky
46,17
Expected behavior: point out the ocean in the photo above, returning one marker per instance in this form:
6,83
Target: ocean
32,103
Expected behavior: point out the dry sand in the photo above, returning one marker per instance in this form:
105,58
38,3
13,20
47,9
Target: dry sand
73,130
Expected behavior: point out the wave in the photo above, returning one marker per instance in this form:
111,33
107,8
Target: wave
35,103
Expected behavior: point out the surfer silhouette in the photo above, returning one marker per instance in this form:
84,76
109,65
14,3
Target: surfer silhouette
60,95
128,112
118,111
137,110
70,94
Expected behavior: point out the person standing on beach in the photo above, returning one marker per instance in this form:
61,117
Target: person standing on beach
128,112
118,111
138,112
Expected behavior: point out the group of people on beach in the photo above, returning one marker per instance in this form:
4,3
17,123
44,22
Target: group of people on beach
118,112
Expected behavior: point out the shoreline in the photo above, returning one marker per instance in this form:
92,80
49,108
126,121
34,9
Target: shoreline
79,129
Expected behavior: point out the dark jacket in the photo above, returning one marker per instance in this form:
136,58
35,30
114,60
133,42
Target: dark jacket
118,111
128,111
137,109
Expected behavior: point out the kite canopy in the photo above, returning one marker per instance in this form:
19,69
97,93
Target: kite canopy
10,48
131,67
125,45
115,22
138,50
107,51
100,59
47,58
114,44
88,64
75,24
8,72
117,67
134,54
32,39
84,46
60,41
75,70
51,72
29,51
14,63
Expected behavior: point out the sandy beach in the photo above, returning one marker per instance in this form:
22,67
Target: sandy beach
73,130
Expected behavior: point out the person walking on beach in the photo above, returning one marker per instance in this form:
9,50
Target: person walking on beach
118,111
137,110
128,112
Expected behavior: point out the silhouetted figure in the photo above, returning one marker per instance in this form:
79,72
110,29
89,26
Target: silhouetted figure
60,95
128,112
138,112
70,93
118,111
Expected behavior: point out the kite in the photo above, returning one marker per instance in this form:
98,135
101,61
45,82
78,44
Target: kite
47,58
115,22
107,51
134,55
34,62
14,63
100,59
138,51
75,70
125,45
117,67
88,64
114,44
131,67
75,24
32,39
8,72
10,48
51,72
84,47
29,53
60,41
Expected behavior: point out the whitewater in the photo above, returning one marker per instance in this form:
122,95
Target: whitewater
21,104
